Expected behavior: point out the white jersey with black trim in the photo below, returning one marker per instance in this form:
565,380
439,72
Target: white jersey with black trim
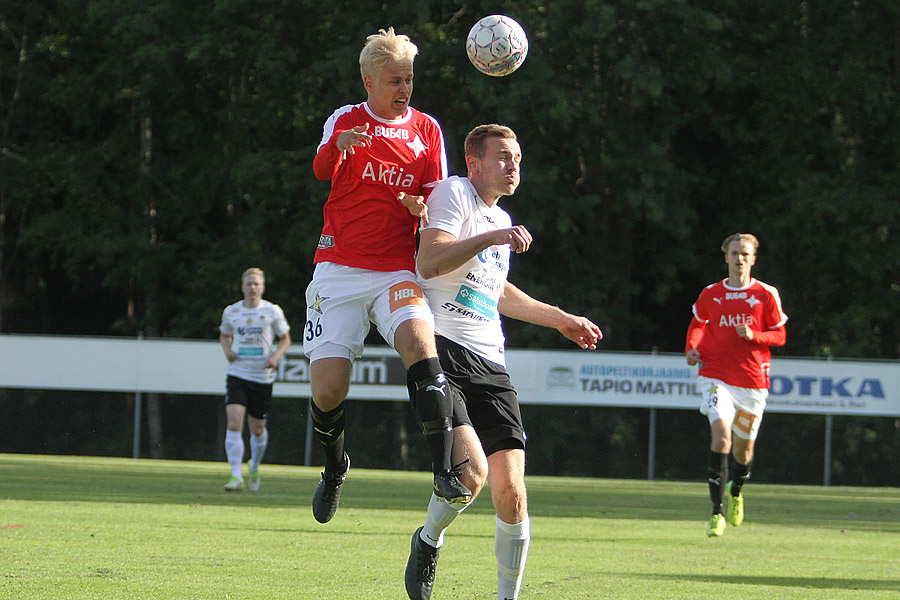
254,331
464,302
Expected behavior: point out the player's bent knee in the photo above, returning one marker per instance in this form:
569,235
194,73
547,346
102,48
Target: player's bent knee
414,341
473,480
328,397
330,382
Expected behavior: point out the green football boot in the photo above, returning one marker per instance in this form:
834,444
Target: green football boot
253,486
735,506
716,526
234,485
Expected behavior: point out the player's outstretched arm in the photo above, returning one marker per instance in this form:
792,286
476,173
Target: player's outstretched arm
517,304
581,331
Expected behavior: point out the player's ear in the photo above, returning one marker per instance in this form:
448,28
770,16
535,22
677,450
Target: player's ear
367,83
472,164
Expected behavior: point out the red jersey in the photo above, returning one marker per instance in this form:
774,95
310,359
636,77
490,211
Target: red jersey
365,225
726,356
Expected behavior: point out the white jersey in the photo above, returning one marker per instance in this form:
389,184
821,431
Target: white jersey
464,302
254,331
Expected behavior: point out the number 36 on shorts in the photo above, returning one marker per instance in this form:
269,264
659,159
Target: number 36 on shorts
312,330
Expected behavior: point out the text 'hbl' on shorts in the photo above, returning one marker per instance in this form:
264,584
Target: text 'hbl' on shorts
342,301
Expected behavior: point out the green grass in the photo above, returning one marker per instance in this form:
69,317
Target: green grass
118,529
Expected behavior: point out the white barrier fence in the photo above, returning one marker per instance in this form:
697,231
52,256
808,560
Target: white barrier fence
811,386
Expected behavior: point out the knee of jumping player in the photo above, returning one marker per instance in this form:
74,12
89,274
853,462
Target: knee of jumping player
329,382
414,341
473,479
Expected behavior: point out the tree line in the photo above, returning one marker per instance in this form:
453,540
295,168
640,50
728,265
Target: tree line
152,150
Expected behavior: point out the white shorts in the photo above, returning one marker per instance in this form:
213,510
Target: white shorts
742,407
341,302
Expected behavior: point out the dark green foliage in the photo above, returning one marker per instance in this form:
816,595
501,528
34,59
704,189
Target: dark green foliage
150,151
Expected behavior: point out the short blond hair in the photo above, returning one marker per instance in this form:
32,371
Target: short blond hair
740,237
253,271
383,48
476,139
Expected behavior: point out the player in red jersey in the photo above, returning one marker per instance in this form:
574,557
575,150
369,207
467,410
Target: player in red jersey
735,322
374,153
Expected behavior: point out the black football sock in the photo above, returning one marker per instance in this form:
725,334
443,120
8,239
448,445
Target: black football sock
718,476
430,397
329,427
741,475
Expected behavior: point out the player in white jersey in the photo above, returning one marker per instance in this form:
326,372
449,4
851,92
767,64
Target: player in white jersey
463,261
247,335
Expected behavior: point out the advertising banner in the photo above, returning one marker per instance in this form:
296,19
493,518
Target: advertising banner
572,377
665,381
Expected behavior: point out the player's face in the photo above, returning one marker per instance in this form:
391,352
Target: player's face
497,173
740,258
390,89
253,288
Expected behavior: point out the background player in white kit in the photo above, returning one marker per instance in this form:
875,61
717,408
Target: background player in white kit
247,333
365,261
735,322
463,261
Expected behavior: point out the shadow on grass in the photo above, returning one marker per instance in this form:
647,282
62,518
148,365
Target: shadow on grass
823,583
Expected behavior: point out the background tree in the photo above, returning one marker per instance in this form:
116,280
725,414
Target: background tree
152,150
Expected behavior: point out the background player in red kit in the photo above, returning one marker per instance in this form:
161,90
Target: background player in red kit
735,322
374,153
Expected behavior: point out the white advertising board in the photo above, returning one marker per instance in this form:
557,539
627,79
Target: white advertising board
540,377
665,381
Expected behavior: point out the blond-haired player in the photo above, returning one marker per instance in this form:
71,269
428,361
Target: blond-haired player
247,334
374,153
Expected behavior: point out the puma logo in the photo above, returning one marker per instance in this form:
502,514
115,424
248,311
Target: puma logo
329,432
435,388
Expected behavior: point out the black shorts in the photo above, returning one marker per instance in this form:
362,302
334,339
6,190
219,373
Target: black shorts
483,397
256,397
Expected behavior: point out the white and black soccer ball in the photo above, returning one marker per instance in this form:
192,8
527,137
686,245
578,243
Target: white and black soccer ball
497,45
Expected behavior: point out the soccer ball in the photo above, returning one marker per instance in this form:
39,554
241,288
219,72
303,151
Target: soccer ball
497,45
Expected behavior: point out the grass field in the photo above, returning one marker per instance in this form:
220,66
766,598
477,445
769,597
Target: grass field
119,529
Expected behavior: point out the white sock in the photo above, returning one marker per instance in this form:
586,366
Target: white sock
258,448
511,548
440,515
234,451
